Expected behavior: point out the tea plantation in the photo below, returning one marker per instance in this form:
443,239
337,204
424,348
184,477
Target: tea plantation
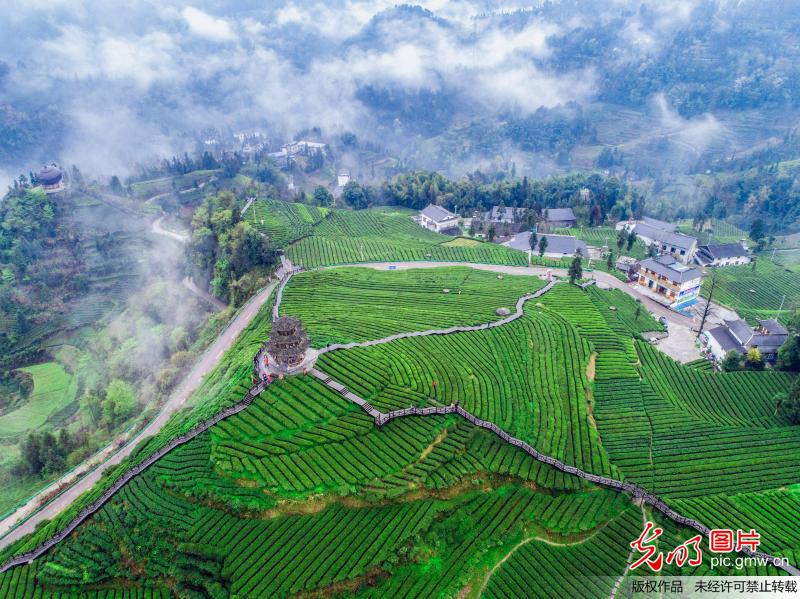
301,494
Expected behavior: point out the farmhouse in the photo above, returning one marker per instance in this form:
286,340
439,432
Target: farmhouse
437,219
504,214
723,254
663,236
302,147
736,335
628,265
559,217
678,283
559,246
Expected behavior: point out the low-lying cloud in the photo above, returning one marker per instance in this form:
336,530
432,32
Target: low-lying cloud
132,79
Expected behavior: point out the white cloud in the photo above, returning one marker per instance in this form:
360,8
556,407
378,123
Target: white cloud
206,26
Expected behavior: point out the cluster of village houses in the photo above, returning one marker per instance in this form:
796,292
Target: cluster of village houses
671,276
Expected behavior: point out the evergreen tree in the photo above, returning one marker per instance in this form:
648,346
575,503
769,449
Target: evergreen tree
575,271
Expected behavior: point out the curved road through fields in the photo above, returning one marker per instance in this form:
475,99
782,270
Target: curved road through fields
209,360
189,385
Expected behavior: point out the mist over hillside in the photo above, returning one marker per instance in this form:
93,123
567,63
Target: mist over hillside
674,87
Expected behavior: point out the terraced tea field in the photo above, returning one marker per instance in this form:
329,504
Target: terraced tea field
757,294
350,237
283,222
302,494
342,305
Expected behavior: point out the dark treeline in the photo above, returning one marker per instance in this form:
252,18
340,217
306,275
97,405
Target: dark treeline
767,194
594,199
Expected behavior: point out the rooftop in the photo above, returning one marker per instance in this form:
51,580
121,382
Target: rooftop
659,224
49,175
669,267
503,213
725,340
773,327
678,240
723,250
437,213
559,214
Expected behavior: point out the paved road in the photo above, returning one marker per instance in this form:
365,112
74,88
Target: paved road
178,398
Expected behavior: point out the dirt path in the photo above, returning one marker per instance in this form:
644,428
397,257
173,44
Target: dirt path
539,540
159,230
90,475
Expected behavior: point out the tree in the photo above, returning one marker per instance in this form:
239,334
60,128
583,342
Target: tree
490,234
355,195
116,186
542,246
533,239
707,308
790,404
732,362
610,260
622,237
757,230
631,240
753,359
119,403
322,197
575,269
789,353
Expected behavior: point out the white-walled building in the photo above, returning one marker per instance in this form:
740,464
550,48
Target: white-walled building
437,219
723,254
677,283
663,236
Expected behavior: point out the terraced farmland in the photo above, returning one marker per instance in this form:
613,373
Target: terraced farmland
350,304
350,237
284,222
757,294
302,494
528,377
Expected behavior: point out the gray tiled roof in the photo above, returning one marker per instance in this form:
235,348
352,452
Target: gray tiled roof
678,240
725,340
669,267
740,329
723,250
773,327
559,214
437,213
565,244
504,213
659,224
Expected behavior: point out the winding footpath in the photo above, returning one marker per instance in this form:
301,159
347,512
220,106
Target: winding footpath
380,418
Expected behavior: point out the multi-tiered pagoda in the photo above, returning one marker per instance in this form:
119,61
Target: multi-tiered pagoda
287,343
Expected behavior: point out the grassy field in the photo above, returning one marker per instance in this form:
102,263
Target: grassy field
284,222
388,234
53,390
757,294
435,507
